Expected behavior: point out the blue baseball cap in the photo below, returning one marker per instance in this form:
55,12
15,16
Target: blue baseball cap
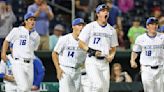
77,21
29,15
100,7
152,20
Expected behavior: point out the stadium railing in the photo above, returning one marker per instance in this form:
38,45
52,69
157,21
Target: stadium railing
114,87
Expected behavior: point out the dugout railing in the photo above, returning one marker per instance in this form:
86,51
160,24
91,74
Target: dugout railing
114,87
122,57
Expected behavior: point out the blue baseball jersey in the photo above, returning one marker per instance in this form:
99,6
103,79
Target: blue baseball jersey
39,72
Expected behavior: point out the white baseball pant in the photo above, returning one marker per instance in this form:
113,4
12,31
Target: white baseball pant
70,81
98,74
23,74
152,79
85,83
10,87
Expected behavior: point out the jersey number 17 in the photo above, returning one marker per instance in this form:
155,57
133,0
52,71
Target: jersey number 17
96,40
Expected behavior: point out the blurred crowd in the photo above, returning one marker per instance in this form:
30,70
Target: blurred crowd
127,16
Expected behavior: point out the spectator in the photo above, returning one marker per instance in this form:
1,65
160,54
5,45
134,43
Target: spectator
57,32
118,76
125,5
43,14
85,8
7,18
82,8
114,14
135,30
121,40
161,29
161,25
157,13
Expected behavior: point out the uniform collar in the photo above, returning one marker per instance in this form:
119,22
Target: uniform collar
151,36
33,30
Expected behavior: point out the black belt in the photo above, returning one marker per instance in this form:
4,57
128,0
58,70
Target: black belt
70,67
83,73
24,60
153,67
100,57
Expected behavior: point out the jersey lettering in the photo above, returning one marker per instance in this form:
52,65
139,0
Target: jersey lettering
96,40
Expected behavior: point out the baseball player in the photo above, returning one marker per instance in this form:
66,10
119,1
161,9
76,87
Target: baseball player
151,46
68,57
7,75
25,40
39,72
99,40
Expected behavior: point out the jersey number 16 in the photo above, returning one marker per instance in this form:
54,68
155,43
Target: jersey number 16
22,42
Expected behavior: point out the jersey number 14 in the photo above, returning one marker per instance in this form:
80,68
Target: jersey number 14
70,54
